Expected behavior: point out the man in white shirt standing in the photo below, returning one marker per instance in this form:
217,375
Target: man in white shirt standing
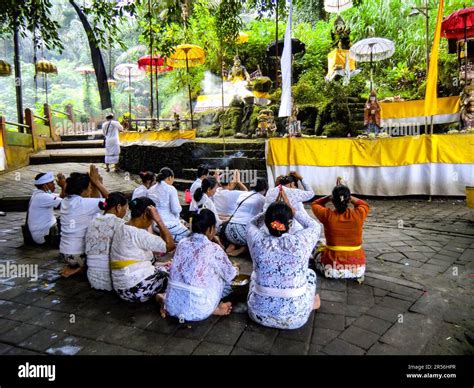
111,129
41,221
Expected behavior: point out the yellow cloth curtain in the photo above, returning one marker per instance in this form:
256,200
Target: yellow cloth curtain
416,108
337,61
399,151
431,92
128,137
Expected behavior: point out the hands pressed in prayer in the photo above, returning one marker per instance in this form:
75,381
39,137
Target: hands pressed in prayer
94,175
296,175
61,180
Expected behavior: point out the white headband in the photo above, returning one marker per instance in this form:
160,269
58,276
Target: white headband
46,178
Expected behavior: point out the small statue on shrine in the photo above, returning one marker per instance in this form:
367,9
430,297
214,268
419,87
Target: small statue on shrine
372,110
176,126
238,72
467,110
294,125
266,124
340,34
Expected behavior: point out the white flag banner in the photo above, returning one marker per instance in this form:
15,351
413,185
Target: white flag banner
285,105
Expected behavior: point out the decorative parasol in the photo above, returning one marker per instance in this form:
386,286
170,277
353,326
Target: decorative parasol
242,38
186,56
154,65
297,46
370,50
131,73
45,67
337,6
459,25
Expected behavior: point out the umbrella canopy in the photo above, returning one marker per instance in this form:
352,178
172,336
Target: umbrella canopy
85,69
46,67
5,68
297,46
186,55
336,6
153,64
128,72
372,49
242,38
459,25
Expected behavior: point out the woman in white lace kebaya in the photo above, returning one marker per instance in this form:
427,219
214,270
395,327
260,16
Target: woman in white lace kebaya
296,196
282,288
166,198
99,238
202,198
200,274
135,278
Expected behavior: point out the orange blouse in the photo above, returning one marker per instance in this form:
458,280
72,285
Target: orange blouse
342,230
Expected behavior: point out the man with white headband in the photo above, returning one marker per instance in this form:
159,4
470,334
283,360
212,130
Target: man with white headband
41,221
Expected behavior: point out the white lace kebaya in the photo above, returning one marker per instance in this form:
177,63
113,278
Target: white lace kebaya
282,287
98,241
200,273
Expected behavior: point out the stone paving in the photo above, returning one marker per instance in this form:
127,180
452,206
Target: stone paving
417,298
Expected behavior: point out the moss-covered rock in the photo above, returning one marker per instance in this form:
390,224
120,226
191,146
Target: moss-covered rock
262,84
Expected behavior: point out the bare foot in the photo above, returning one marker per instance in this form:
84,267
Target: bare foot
230,248
223,309
316,302
68,271
238,252
160,298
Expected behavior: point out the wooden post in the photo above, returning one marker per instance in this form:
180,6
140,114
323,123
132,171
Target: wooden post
53,134
29,120
3,134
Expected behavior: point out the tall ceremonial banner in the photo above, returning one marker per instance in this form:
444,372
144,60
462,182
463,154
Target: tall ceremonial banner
285,105
431,95
407,165
3,160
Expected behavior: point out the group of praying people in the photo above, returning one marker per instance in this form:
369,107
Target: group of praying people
118,242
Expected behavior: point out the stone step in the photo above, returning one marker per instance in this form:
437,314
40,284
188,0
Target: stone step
252,153
241,163
83,137
75,144
233,145
69,155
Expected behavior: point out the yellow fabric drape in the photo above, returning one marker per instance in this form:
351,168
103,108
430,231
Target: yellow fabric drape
128,137
397,151
416,108
431,83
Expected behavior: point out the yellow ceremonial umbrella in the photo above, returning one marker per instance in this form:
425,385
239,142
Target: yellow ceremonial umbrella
186,56
242,38
45,67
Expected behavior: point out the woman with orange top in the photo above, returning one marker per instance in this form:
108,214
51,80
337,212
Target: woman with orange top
343,257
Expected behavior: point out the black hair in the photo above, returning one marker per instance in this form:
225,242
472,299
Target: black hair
341,195
77,183
202,221
139,205
260,185
207,183
278,180
147,176
203,169
287,179
281,212
113,200
109,116
164,173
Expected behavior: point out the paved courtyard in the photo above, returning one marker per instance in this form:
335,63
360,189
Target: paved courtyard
417,298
